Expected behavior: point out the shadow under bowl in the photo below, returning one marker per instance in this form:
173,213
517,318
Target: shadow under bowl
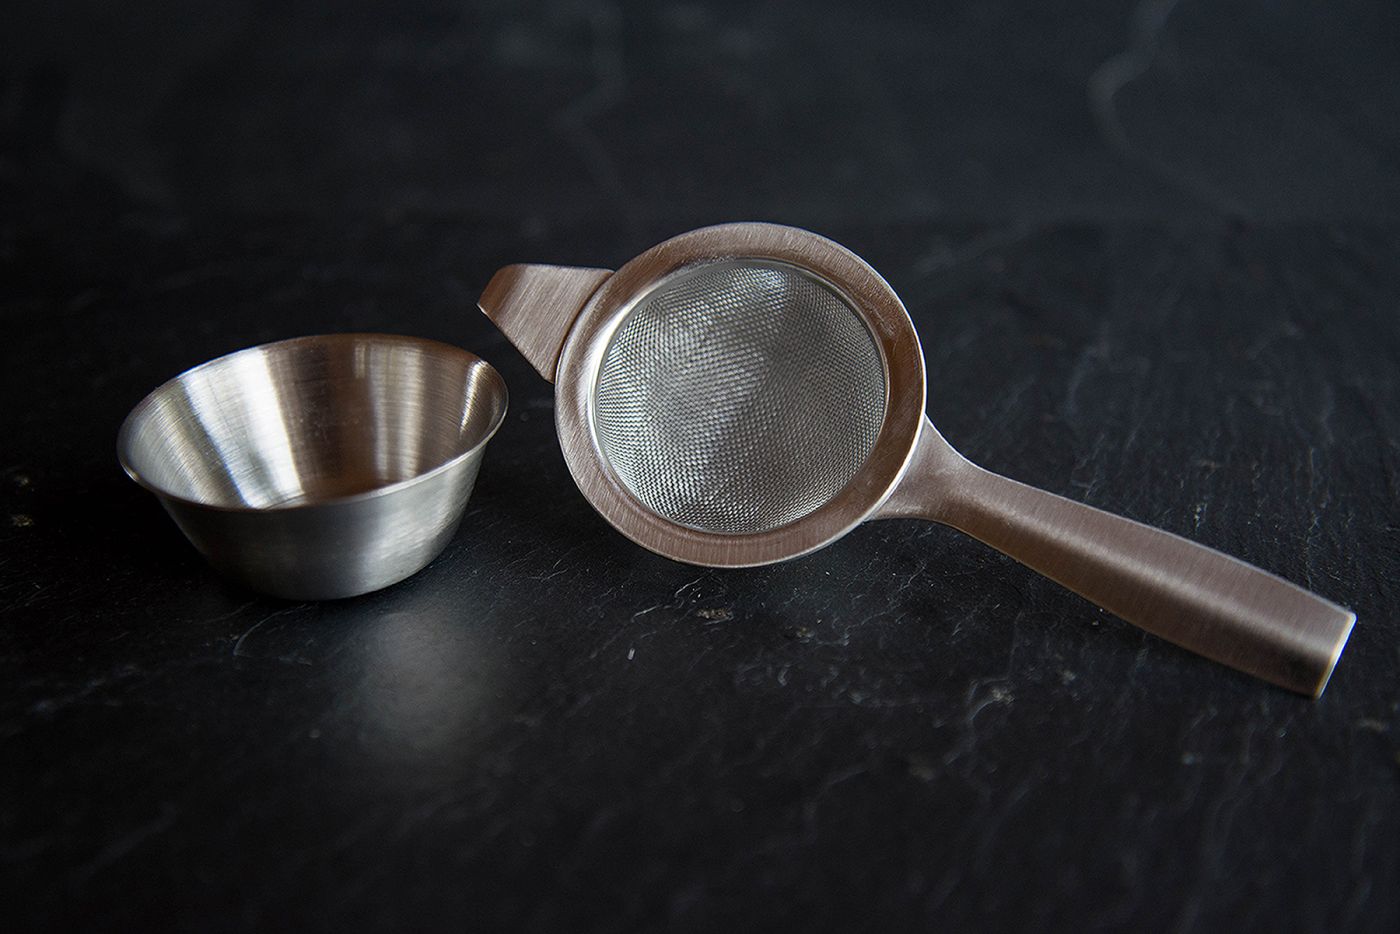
318,467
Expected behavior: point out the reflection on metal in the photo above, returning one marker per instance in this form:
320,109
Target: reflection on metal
318,467
424,679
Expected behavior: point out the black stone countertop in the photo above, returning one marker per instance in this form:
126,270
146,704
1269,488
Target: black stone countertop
1153,253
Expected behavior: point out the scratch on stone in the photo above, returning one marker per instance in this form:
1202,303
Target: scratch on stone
607,92
686,586
997,693
1092,352
238,646
232,613
1148,32
1319,498
555,570
939,259
809,807
120,847
1326,410
51,705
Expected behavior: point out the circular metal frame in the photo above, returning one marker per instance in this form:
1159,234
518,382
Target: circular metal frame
862,288
494,385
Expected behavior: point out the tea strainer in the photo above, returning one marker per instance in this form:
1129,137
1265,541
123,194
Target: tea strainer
747,393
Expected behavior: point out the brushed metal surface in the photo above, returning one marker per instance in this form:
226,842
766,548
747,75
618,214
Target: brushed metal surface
527,299
319,467
1188,594
1191,595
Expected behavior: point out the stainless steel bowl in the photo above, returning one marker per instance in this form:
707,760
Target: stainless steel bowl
319,467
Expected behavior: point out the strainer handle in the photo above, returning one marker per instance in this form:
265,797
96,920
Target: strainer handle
535,306
1185,593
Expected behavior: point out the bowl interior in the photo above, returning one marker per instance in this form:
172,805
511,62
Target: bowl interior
311,419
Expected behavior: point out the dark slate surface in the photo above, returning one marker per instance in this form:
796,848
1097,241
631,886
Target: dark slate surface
1154,255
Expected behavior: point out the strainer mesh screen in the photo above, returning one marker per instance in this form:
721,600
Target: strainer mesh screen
739,397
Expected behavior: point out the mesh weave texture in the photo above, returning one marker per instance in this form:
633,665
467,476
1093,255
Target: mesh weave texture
739,397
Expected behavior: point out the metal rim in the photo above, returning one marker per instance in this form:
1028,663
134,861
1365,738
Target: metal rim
866,292
438,347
